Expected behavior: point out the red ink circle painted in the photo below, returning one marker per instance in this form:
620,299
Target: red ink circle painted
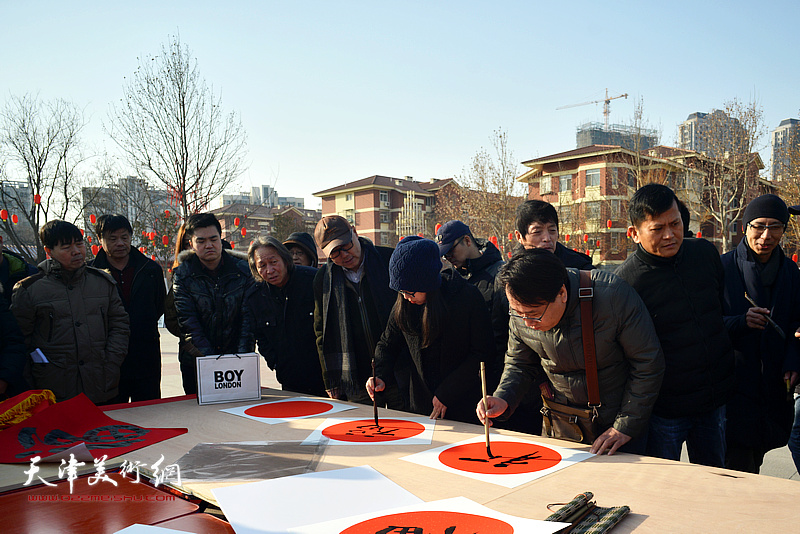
431,521
364,430
509,458
277,410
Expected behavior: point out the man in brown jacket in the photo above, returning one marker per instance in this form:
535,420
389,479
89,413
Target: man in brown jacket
72,317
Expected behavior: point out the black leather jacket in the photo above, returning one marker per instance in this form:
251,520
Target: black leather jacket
210,310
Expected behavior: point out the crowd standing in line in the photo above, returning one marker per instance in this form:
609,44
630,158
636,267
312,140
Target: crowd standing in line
691,348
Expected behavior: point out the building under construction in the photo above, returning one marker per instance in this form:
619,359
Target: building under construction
630,137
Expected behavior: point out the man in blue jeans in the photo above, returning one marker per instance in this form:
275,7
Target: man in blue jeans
680,281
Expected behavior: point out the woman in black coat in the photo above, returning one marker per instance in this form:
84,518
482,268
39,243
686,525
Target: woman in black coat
445,325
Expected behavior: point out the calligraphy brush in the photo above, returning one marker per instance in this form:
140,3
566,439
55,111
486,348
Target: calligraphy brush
777,328
374,395
485,407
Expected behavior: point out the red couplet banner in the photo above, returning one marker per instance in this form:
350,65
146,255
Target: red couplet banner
68,423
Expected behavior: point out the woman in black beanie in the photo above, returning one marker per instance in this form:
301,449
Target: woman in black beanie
444,324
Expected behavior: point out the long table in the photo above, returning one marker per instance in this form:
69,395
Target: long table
664,496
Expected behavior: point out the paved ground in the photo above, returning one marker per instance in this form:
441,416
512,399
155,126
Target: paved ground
777,463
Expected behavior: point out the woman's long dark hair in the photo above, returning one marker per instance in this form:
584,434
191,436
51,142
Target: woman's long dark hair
425,320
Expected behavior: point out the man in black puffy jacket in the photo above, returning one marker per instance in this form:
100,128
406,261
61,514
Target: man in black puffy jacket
209,287
681,283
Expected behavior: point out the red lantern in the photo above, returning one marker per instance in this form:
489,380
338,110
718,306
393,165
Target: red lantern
608,223
142,250
436,230
575,249
587,252
794,258
511,236
420,234
566,237
699,235
95,249
144,234
509,254
493,239
585,238
236,221
14,218
233,245
598,243
152,235
153,257
81,231
89,239
166,213
165,240
92,218
244,232
37,199
401,238
4,215
628,235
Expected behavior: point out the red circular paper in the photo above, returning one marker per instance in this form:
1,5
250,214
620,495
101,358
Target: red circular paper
502,451
432,521
277,410
364,430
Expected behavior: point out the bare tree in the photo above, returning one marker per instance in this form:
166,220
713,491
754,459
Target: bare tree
487,192
173,131
731,139
41,150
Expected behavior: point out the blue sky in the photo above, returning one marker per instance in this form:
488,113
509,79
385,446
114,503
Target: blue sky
335,91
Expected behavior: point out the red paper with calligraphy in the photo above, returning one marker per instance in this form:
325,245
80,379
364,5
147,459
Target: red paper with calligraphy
75,421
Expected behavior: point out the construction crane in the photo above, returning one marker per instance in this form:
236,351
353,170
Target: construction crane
606,107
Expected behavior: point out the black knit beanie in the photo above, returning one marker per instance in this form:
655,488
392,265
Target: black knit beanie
415,265
770,206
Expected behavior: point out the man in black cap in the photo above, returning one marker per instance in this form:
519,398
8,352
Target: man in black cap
762,289
353,301
477,260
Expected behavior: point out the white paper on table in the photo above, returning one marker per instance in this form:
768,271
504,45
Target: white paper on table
148,529
273,506
81,452
456,504
430,458
425,436
328,407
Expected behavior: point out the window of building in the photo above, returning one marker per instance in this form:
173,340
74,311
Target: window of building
384,196
565,183
350,216
384,216
348,197
564,215
545,185
429,201
614,177
616,242
593,210
616,209
384,238
593,178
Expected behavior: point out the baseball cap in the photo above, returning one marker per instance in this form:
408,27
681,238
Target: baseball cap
449,233
331,232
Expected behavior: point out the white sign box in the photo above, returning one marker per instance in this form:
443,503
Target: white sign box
228,378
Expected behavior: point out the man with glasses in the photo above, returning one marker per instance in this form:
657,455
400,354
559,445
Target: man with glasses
762,331
352,305
545,334
680,281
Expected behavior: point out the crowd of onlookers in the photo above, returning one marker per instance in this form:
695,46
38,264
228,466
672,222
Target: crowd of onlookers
690,347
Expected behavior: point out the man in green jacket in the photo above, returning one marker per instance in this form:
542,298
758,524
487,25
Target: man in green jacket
72,317
545,329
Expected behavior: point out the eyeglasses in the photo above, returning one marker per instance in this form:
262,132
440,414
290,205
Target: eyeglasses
773,229
528,317
409,294
449,253
337,251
